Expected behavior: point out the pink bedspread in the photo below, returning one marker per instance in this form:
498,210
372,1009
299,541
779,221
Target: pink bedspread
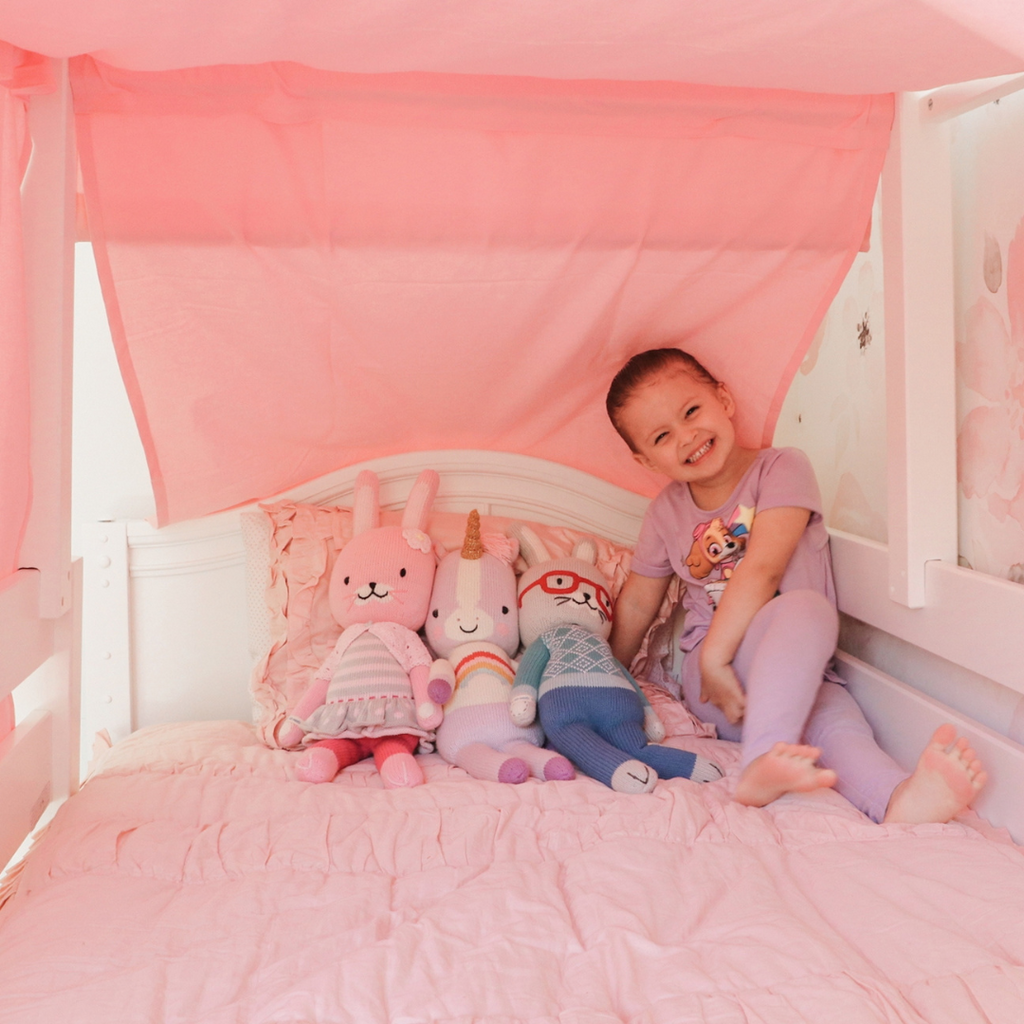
193,880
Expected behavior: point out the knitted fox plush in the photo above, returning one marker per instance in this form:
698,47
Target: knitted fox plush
473,622
377,692
590,707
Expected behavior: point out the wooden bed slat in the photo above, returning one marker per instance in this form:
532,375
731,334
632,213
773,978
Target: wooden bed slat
969,618
26,640
26,758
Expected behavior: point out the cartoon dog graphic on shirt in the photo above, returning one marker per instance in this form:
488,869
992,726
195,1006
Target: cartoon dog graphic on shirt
717,549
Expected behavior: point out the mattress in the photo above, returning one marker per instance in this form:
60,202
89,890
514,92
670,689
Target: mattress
194,879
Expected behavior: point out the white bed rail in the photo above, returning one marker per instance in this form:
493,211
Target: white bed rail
39,605
903,720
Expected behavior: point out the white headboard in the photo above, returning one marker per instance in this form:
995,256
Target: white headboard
164,611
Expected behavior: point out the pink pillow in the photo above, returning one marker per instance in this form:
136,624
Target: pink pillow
304,541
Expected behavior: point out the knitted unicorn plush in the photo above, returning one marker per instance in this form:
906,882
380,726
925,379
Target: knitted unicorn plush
590,707
378,691
473,623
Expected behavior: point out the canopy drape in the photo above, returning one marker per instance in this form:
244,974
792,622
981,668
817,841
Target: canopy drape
304,269
20,74
841,46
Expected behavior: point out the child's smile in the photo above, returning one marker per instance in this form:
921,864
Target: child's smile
682,428
701,451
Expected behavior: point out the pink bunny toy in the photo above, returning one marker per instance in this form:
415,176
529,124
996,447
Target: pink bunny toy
473,622
377,692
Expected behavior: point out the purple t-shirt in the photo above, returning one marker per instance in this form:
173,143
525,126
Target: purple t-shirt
703,547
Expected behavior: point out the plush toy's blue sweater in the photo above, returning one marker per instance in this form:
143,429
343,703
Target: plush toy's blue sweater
591,708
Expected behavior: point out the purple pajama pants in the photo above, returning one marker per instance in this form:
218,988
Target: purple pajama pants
781,664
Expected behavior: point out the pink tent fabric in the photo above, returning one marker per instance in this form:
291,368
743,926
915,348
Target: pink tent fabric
20,73
842,46
304,269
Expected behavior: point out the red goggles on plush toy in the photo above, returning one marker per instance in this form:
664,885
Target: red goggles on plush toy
564,582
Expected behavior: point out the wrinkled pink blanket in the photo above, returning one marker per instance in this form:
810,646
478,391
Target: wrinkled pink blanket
193,880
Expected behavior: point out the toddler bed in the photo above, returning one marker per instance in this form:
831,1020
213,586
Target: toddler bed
194,878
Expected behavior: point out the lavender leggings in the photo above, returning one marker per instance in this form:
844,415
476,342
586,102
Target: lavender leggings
781,664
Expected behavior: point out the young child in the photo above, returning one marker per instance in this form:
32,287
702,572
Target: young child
743,529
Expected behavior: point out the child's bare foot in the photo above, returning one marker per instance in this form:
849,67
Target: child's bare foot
947,778
786,768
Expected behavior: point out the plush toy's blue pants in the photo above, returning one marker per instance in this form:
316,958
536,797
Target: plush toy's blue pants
599,728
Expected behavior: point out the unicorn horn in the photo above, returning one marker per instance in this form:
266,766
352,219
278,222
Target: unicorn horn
472,546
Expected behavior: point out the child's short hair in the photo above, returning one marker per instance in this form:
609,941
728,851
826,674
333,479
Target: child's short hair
639,370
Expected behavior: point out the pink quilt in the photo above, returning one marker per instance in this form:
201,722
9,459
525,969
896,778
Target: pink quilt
194,880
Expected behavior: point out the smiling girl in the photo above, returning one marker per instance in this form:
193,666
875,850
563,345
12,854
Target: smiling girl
743,529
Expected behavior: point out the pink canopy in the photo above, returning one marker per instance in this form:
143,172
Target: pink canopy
305,268
329,231
841,46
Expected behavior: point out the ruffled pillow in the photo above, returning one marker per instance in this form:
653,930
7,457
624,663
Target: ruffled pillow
291,548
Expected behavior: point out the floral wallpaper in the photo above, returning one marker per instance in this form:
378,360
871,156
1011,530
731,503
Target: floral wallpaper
988,168
835,408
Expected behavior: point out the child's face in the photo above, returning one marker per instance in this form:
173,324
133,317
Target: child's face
681,427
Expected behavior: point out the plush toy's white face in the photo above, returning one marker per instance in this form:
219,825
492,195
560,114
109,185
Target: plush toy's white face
380,577
474,600
562,592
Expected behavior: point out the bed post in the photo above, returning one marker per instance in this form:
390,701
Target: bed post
917,242
48,222
48,203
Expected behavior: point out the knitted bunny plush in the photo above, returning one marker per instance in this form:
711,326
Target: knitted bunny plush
590,707
473,623
378,691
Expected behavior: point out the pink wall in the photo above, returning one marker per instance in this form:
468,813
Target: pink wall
988,150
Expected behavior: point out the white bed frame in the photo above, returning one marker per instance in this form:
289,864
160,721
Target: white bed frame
162,631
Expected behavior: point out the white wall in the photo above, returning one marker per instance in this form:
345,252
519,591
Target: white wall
109,475
835,408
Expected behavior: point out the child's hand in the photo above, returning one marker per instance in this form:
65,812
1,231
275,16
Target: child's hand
720,686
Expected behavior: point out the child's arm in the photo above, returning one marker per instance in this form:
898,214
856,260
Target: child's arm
774,535
635,608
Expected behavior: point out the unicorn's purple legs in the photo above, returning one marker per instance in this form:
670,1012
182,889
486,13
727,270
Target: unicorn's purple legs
544,764
482,762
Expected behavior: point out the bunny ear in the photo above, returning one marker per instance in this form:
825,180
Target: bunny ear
531,547
365,503
421,497
585,550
